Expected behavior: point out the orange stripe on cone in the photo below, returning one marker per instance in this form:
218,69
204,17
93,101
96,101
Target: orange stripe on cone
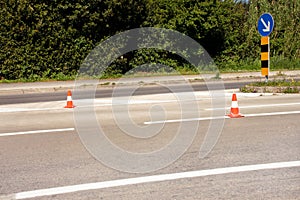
69,100
234,111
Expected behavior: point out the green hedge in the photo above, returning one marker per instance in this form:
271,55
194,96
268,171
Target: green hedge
50,39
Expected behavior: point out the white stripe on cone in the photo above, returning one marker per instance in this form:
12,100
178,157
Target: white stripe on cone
69,98
234,104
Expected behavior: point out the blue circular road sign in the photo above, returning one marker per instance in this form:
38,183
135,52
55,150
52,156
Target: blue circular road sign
265,24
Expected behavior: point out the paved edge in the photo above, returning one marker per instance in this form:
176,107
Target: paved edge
60,86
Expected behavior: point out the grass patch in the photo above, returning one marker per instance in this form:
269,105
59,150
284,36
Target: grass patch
106,83
227,66
277,63
291,90
277,83
58,77
275,86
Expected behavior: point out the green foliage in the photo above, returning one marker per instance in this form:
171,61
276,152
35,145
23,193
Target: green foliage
50,39
279,83
248,64
281,86
291,90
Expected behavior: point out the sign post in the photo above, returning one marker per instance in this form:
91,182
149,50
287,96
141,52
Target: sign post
265,27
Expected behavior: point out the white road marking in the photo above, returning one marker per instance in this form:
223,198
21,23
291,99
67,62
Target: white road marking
10,110
36,131
258,106
97,103
220,117
151,179
146,99
131,101
185,120
272,113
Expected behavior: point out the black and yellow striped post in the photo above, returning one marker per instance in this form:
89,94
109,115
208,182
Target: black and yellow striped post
265,56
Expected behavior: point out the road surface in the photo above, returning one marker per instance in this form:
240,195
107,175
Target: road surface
255,157
104,92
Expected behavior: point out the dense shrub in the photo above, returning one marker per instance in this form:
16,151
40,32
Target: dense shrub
50,39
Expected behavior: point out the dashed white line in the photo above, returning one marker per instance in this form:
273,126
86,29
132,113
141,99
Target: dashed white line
151,179
36,131
185,120
219,117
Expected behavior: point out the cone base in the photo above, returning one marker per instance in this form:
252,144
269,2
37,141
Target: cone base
231,115
69,107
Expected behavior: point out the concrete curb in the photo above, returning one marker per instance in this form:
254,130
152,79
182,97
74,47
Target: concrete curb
63,86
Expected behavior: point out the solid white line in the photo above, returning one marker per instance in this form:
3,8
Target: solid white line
258,106
36,131
97,103
219,117
151,179
109,102
10,110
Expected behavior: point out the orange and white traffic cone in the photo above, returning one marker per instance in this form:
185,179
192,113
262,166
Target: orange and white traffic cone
69,100
234,111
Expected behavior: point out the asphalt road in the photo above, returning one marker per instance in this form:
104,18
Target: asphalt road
107,92
39,160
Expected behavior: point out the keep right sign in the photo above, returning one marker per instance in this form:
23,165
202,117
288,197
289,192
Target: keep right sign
265,27
265,24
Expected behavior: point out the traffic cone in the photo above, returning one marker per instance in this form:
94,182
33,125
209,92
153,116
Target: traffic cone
234,111
69,100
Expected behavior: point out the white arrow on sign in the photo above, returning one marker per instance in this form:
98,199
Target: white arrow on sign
267,27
